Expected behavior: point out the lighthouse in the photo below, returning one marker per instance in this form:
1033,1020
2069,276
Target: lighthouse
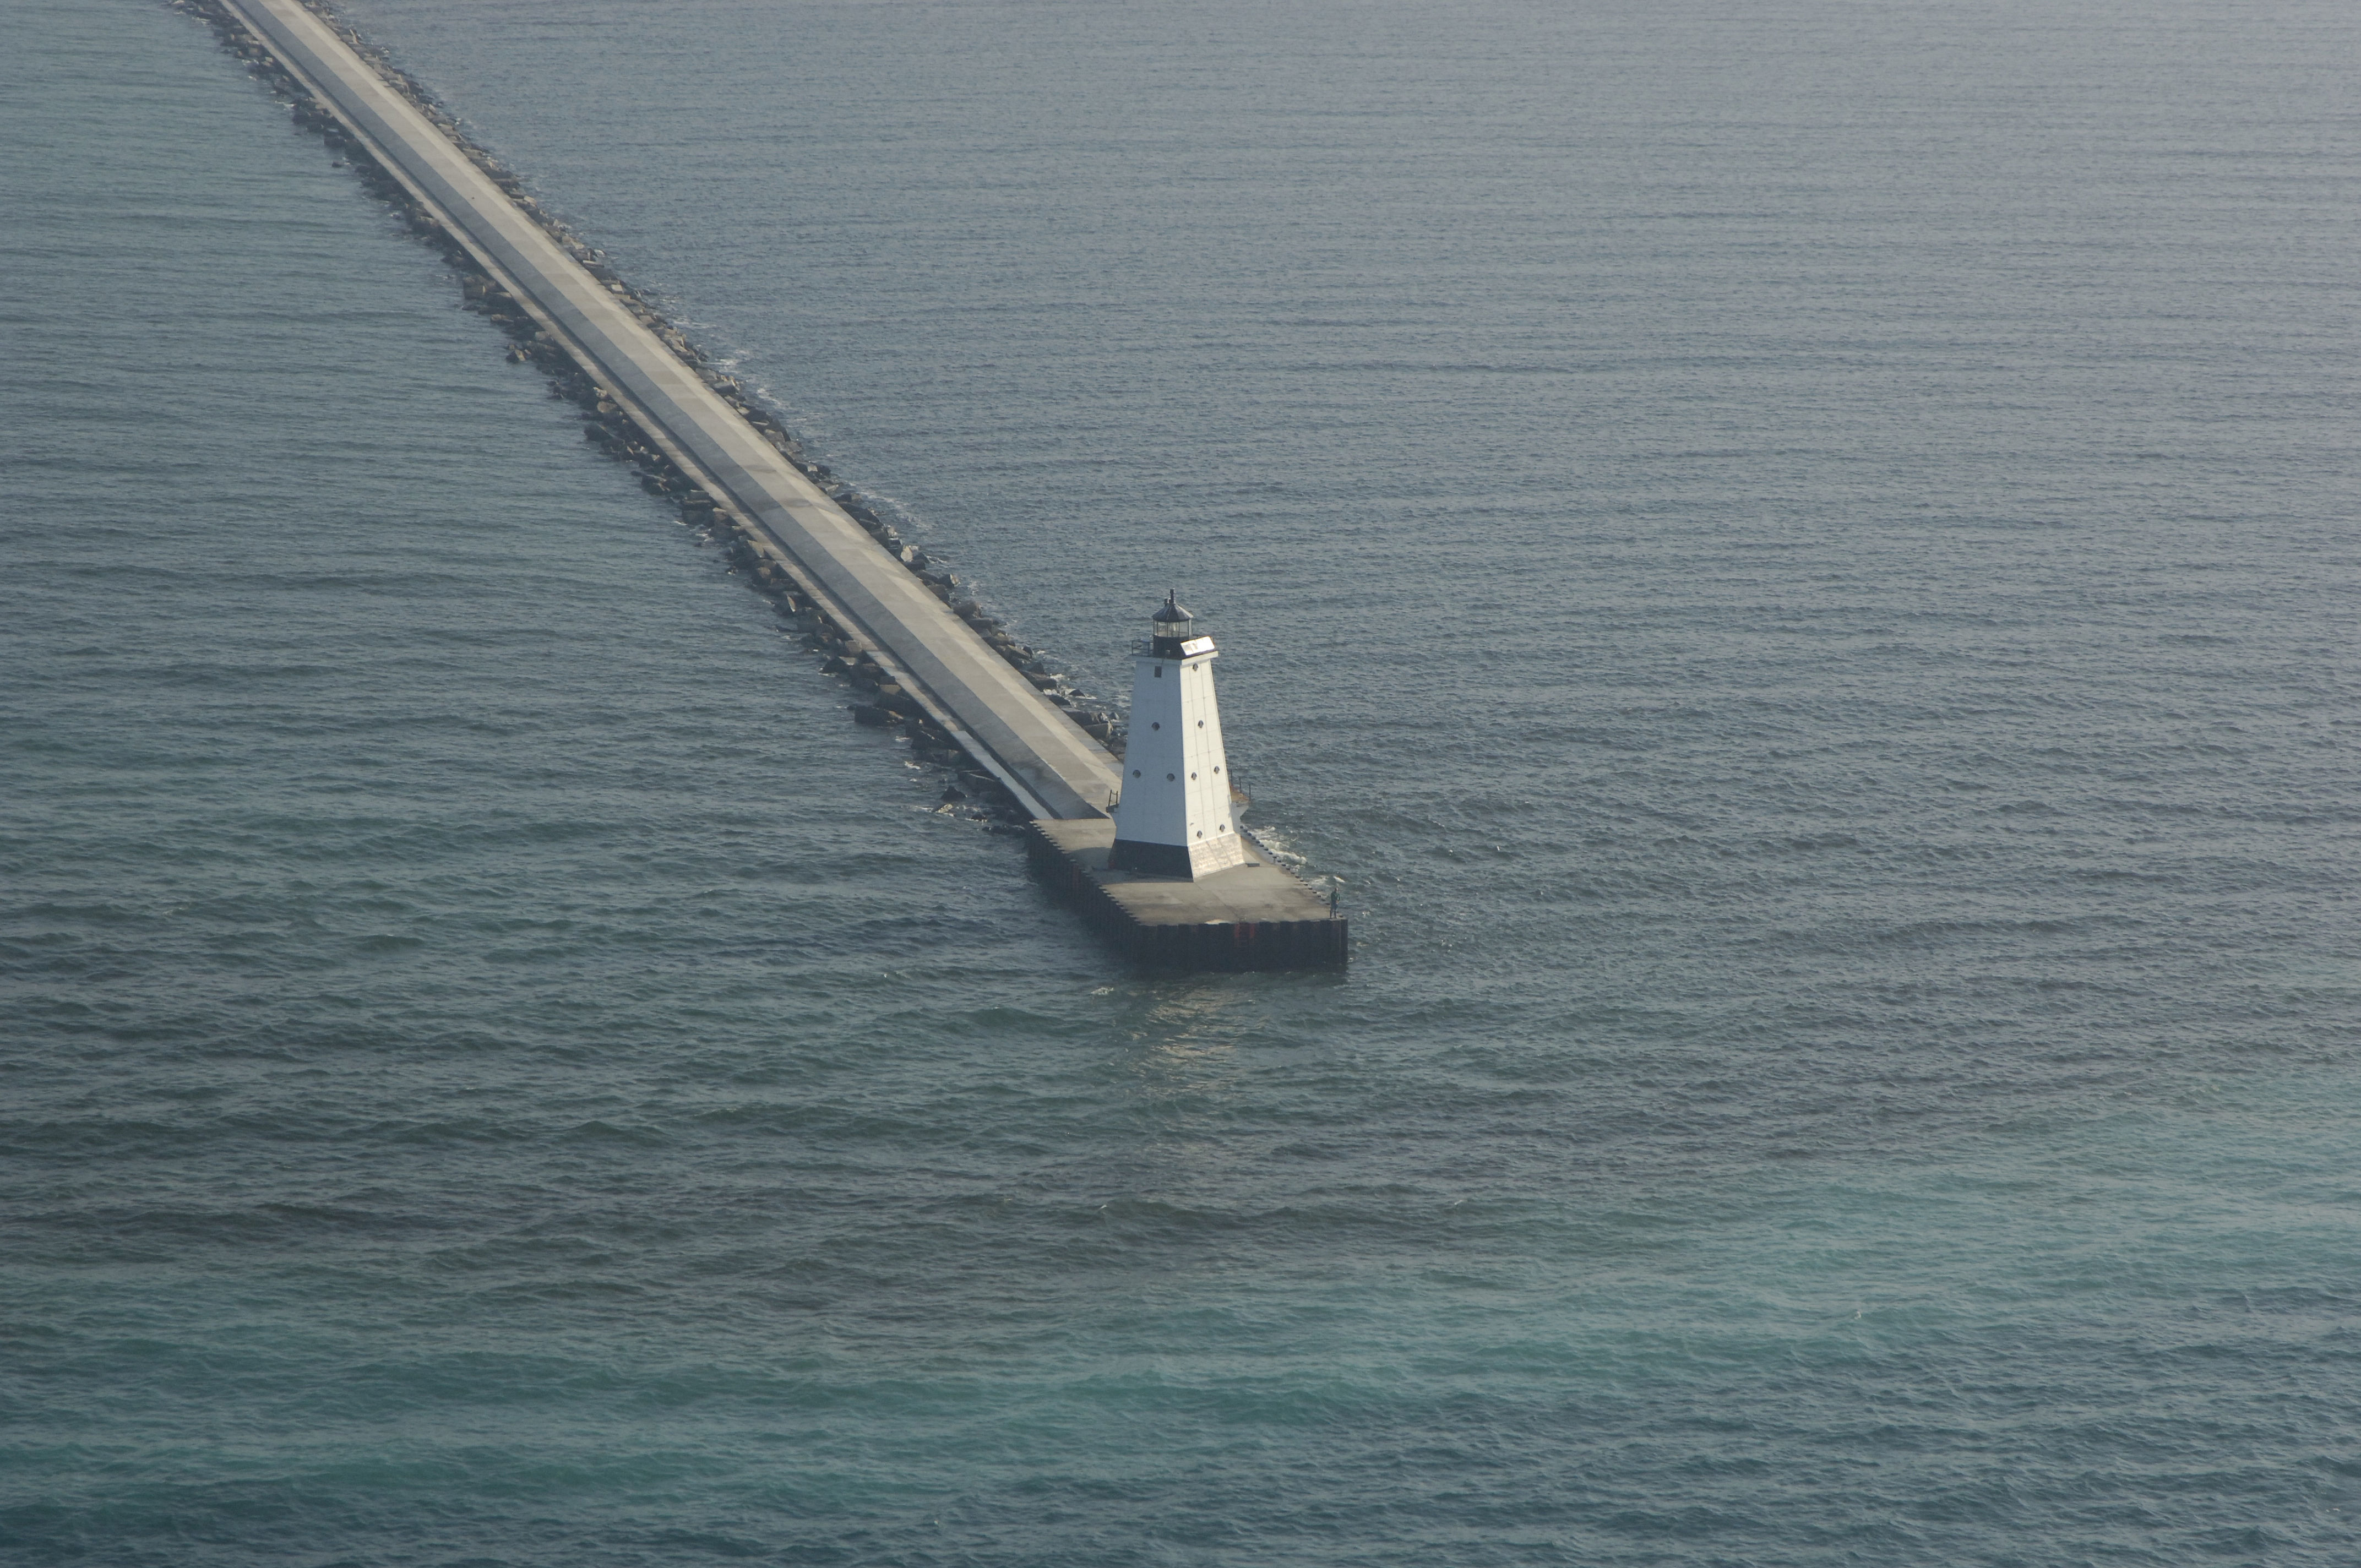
1174,818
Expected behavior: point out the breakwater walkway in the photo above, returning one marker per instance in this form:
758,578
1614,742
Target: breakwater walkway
991,709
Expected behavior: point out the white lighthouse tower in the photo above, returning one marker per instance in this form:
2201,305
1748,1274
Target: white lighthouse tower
1174,818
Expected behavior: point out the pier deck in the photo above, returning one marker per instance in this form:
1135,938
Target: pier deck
1257,915
1041,754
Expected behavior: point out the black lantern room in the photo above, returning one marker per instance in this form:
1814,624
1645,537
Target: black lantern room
1170,626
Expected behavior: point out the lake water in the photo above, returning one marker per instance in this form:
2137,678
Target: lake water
1794,562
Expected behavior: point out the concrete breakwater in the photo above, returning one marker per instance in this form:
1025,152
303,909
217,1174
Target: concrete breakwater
888,616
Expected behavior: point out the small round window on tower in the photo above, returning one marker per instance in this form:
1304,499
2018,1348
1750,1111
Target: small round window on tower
1156,726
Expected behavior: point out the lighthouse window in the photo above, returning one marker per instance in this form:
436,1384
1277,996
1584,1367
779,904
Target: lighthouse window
1192,775
1135,773
1160,671
1156,726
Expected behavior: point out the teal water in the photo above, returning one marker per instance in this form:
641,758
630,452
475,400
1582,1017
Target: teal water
1796,562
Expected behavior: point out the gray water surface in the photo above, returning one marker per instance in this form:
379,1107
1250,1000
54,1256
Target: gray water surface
1796,563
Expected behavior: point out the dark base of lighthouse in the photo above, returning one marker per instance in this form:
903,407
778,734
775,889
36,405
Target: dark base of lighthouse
1155,860
1255,916
1200,859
